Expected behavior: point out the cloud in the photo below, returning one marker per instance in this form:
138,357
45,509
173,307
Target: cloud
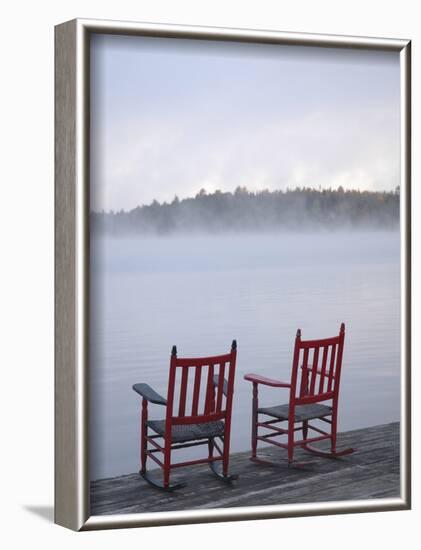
313,123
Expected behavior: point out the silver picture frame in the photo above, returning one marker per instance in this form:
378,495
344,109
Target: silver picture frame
72,151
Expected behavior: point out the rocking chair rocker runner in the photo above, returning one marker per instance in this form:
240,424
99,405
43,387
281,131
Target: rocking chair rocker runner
208,415
319,362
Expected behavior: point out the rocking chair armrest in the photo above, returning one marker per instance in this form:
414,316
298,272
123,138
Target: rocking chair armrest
257,379
149,394
216,383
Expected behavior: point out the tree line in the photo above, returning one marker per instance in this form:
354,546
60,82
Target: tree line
246,211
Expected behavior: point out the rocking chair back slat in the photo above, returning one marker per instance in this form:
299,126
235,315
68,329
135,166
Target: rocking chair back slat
304,377
196,390
331,368
209,403
314,370
220,390
323,371
183,391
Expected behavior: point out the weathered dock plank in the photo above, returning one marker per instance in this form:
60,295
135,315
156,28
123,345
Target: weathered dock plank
371,472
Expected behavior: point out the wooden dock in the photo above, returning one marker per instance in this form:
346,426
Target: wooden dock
370,473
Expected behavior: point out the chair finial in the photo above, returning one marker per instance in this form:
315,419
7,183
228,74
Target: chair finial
298,333
342,327
234,345
174,351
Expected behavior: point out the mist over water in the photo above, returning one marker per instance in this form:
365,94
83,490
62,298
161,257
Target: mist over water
200,292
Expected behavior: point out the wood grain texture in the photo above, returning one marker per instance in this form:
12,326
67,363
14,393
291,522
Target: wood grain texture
66,463
373,472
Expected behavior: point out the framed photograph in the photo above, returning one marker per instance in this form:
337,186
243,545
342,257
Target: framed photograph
232,274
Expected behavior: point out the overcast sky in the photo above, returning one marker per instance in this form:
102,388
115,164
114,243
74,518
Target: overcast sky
170,117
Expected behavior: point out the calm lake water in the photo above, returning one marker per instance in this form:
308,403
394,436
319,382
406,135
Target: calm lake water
200,292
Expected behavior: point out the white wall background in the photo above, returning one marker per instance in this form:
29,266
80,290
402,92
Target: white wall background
26,286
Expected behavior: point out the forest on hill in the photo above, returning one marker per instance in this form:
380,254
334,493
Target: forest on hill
246,211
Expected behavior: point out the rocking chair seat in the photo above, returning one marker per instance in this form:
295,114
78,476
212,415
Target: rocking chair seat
189,432
302,412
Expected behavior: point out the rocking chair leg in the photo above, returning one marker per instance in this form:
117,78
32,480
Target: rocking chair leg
290,441
333,433
210,447
144,432
305,429
254,420
167,464
225,460
224,476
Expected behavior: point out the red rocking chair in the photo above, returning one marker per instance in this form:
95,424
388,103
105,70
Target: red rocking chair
208,417
319,362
